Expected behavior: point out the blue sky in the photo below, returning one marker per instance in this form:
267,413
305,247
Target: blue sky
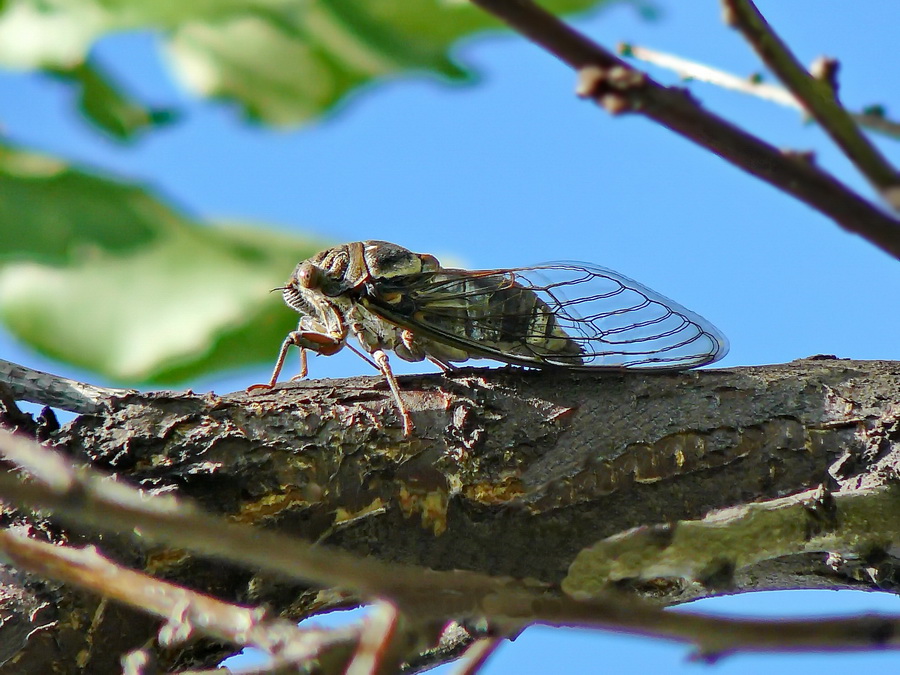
516,170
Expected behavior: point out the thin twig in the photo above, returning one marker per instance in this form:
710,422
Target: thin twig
186,612
86,497
81,495
818,97
36,386
692,70
679,112
374,647
874,118
452,643
717,637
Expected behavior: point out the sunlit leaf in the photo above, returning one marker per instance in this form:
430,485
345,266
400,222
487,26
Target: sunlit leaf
104,102
281,61
106,276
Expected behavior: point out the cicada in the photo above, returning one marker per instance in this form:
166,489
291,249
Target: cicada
566,315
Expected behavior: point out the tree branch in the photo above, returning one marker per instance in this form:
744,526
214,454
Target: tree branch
82,497
692,70
35,386
620,88
501,459
503,602
818,96
184,612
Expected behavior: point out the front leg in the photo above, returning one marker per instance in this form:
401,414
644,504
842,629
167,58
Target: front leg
291,339
322,343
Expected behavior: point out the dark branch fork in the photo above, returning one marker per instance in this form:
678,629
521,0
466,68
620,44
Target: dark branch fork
818,96
620,88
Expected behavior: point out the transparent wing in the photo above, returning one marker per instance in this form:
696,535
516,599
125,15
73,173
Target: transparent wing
571,315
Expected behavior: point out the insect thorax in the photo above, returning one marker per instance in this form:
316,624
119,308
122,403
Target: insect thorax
351,265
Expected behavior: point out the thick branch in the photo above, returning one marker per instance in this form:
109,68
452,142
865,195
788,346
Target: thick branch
625,89
500,601
502,459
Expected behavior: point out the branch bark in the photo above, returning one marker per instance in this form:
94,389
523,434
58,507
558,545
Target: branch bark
501,460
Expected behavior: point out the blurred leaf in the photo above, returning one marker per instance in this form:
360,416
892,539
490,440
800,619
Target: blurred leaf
282,61
105,276
105,104
52,213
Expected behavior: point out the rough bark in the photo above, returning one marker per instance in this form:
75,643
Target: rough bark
508,473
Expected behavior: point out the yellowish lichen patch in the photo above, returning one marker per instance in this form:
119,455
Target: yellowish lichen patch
499,492
343,516
272,504
165,559
432,505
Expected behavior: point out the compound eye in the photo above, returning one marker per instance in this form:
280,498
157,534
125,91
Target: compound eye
429,263
309,276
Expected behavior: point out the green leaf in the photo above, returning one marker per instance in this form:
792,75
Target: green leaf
54,214
117,282
287,64
282,61
104,103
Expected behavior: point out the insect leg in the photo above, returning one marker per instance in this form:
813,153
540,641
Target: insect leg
385,367
291,339
446,366
363,357
303,369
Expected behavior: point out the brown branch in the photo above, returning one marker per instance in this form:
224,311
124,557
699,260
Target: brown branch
622,88
818,96
81,496
513,605
35,386
716,637
184,612
501,459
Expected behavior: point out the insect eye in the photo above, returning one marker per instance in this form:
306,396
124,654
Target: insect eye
309,276
429,263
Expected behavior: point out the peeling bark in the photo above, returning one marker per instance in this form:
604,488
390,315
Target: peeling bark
509,473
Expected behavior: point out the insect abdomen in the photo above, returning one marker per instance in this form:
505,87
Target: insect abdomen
493,310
